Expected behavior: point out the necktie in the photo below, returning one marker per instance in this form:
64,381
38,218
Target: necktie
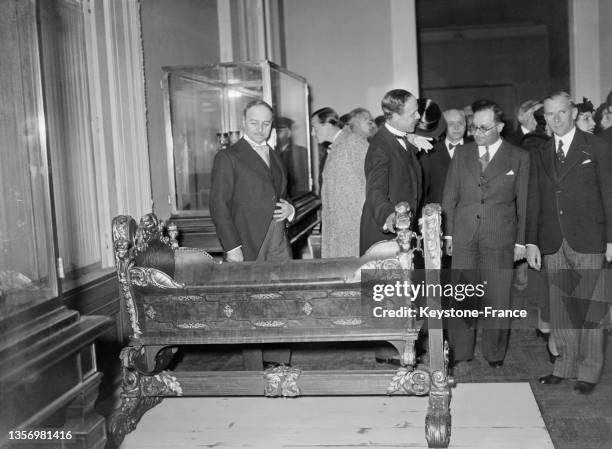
263,151
485,159
404,139
560,154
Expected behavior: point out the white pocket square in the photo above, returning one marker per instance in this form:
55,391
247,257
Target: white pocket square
588,161
510,173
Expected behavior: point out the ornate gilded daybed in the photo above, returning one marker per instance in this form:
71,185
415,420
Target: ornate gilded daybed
181,296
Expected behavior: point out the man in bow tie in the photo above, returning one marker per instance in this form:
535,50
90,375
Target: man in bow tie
435,163
392,170
248,191
484,208
570,224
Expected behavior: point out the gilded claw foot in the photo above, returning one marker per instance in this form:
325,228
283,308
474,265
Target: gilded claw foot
438,418
139,393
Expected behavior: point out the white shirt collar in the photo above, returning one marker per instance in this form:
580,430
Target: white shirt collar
492,148
399,134
394,131
567,140
253,143
336,136
447,143
262,151
525,130
456,144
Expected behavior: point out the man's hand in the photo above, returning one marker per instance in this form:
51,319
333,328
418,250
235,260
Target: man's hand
609,252
389,225
422,143
534,258
448,247
519,252
283,210
235,255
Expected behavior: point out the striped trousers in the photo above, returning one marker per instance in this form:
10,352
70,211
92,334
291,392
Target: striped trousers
581,350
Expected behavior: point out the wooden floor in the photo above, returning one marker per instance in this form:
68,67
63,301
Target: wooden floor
485,415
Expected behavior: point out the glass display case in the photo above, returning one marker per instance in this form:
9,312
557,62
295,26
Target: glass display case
203,110
27,257
203,114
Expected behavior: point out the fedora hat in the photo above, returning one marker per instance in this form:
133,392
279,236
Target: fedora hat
431,123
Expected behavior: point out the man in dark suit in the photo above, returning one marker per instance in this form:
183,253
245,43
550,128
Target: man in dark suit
435,163
570,223
248,191
392,170
249,209
484,206
526,122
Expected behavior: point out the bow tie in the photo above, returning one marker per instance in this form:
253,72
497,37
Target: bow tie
452,146
404,139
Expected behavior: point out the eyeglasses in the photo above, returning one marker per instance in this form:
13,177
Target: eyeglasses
481,129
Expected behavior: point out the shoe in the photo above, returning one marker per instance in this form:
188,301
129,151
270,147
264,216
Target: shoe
497,364
390,360
543,335
551,348
582,387
551,379
551,357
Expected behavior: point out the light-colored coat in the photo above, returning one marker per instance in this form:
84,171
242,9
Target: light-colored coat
343,195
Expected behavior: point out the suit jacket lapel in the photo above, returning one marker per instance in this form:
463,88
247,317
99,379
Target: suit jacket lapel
254,160
547,154
445,156
276,166
409,160
395,144
499,164
473,160
575,154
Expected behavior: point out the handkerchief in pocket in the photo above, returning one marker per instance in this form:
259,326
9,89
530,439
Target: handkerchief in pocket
510,173
587,161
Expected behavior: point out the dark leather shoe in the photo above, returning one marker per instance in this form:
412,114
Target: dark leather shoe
543,335
551,355
583,387
551,379
390,360
497,364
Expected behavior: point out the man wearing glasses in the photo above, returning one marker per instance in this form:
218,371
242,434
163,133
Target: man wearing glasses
484,210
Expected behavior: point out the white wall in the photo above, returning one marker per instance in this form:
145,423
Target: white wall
585,74
351,51
605,46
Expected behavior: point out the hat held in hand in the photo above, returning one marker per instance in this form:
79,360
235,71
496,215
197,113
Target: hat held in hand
432,123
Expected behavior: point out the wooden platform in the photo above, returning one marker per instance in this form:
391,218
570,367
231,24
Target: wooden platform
494,415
